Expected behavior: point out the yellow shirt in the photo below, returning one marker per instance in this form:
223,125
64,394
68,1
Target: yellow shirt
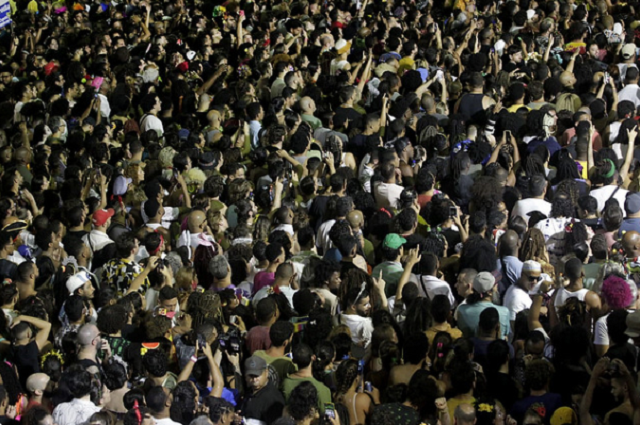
454,402
454,332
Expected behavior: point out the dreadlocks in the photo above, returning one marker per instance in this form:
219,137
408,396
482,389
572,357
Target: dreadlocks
533,245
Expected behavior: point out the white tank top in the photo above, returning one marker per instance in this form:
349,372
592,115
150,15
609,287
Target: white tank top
564,295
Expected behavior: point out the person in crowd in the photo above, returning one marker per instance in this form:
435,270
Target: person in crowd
388,212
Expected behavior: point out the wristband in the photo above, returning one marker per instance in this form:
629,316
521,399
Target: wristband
194,359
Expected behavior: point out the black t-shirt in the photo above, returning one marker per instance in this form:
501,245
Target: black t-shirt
77,233
7,269
25,357
354,117
266,405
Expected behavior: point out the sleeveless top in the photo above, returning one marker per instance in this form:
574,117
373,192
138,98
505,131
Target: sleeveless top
564,295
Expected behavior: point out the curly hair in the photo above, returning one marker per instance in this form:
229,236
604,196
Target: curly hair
478,254
537,374
486,193
184,405
115,374
112,319
302,401
156,326
155,362
616,292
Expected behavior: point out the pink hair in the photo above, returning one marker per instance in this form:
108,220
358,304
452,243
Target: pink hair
616,292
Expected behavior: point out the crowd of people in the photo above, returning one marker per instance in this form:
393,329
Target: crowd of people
368,212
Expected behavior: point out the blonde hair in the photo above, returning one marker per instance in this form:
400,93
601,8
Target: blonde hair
184,277
165,157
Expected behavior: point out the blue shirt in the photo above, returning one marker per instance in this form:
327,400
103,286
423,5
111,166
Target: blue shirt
511,268
628,225
469,317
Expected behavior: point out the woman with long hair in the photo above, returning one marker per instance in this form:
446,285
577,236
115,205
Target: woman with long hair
349,393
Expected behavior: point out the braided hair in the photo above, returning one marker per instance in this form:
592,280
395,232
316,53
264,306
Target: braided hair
346,374
205,306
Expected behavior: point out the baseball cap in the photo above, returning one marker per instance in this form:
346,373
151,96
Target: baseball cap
483,282
120,185
254,365
393,241
101,216
628,51
207,161
343,46
564,416
633,324
77,281
632,203
531,266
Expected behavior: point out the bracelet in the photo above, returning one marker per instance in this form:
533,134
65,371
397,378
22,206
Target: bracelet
194,359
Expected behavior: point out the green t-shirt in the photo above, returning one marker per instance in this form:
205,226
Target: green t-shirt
282,365
391,273
324,395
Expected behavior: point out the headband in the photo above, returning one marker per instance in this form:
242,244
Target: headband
155,251
611,171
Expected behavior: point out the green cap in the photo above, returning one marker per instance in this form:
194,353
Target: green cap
393,241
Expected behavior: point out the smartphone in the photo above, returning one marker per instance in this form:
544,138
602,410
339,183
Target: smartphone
201,341
368,386
233,320
329,410
453,211
606,78
439,75
360,367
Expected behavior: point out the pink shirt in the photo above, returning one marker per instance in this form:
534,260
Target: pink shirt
263,279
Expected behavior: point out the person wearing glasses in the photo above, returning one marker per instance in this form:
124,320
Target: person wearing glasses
517,297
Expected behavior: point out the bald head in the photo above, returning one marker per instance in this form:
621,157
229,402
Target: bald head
567,79
37,382
631,243
308,105
87,334
465,414
509,243
284,271
214,116
196,221
22,155
355,219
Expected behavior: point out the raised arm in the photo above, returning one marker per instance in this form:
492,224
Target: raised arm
43,327
412,260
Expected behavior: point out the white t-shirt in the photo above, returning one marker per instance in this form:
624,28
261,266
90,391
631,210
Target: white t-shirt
524,206
151,122
361,328
516,300
601,331
631,92
604,193
433,286
387,194
564,295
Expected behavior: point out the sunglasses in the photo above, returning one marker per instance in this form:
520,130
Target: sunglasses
535,278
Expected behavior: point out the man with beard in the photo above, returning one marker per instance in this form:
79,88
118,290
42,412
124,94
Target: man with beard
263,402
356,316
